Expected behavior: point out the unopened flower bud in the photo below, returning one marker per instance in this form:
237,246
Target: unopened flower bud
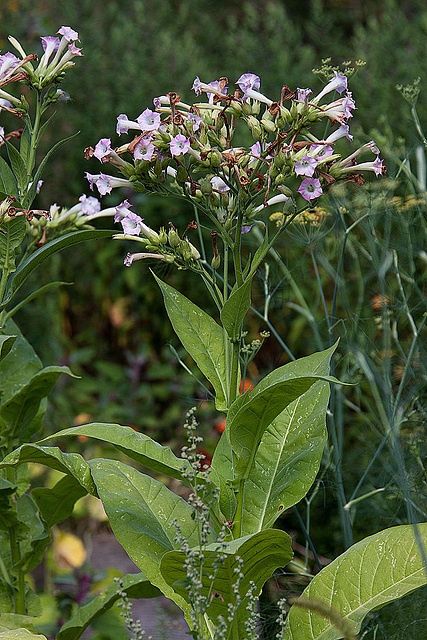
174,239
167,257
274,172
181,174
255,107
279,159
185,250
215,262
294,111
221,215
163,236
236,106
246,108
215,158
268,125
206,186
255,128
286,191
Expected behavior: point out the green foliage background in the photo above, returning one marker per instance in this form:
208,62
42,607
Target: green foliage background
110,326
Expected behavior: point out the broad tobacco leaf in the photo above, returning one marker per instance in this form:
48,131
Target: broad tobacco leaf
202,337
142,512
371,573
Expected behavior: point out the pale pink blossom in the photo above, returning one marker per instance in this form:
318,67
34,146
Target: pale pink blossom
124,124
338,83
310,189
105,183
89,205
131,224
102,148
179,145
320,151
144,149
306,166
149,120
8,64
68,33
302,94
376,166
249,84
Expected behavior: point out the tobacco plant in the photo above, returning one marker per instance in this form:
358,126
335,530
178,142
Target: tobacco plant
212,554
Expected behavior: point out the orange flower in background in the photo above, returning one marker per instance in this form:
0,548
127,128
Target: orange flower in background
80,419
220,426
247,386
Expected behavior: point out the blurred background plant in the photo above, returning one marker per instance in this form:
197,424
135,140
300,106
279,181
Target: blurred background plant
366,279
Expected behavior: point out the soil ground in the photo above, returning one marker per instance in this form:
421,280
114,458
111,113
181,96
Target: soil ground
159,617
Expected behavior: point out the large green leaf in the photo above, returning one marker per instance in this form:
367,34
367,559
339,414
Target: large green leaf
7,180
290,452
136,445
18,413
262,553
70,463
35,259
373,572
253,412
235,310
34,538
141,511
201,336
12,233
134,585
19,167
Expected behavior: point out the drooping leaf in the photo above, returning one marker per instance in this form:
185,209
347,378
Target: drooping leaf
38,257
136,445
57,503
261,553
201,336
6,344
371,573
141,512
70,463
289,455
18,413
235,310
21,364
34,538
12,233
134,585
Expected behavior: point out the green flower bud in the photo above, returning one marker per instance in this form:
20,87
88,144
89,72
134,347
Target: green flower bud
215,158
236,106
255,107
181,174
221,215
168,258
279,159
228,224
174,239
198,195
294,111
246,108
205,186
274,172
287,192
185,251
255,128
163,236
268,125
215,262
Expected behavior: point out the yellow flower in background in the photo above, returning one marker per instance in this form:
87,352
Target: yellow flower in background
68,551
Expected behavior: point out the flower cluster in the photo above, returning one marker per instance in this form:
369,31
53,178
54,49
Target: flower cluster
187,150
59,220
58,54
